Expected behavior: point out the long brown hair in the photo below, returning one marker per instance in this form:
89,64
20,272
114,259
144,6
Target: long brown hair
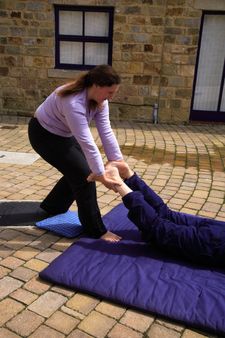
103,76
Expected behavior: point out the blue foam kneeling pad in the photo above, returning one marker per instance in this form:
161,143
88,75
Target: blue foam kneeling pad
66,224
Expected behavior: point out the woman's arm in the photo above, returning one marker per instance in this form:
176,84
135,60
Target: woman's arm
107,136
79,126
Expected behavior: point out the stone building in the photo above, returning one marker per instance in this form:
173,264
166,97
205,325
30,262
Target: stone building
169,53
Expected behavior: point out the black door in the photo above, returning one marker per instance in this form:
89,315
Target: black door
208,100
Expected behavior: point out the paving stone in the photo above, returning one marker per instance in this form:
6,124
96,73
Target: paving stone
170,325
188,211
4,271
211,207
221,217
36,264
192,334
8,285
62,322
44,241
24,296
48,255
82,303
33,230
9,234
73,313
25,323
8,309
137,321
217,194
207,214
20,241
97,324
5,333
60,289
46,332
106,198
37,286
62,244
200,194
26,253
122,331
47,303
5,251
23,273
11,262
79,334
111,310
157,331
105,209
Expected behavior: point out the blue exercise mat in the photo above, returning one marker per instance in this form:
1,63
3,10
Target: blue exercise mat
135,275
66,224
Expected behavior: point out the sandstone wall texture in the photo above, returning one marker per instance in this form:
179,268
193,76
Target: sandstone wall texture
154,50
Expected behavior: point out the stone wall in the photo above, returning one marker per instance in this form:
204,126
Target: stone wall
154,50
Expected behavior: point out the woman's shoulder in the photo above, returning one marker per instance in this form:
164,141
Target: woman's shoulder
74,103
79,97
78,100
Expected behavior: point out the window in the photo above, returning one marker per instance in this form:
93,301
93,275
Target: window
83,36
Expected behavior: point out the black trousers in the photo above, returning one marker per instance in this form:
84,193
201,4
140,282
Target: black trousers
66,155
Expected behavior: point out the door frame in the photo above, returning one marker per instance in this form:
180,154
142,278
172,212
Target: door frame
204,115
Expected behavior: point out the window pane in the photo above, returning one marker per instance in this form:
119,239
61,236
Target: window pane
70,23
96,53
211,61
96,24
71,52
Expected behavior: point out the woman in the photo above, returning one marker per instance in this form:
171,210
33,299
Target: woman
59,132
200,240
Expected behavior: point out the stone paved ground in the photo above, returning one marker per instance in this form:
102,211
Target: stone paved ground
185,164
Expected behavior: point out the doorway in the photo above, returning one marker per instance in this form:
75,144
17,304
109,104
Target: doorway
208,99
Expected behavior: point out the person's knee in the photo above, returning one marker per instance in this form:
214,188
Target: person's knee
85,188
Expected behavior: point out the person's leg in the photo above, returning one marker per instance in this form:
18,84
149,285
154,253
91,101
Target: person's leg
154,200
135,183
150,196
66,155
54,203
202,243
46,145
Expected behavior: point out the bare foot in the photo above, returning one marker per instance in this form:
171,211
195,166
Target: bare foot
122,166
110,237
109,179
113,173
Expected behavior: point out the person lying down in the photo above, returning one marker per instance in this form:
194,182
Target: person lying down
200,240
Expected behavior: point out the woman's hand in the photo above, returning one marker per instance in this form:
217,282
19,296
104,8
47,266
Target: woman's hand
110,237
108,181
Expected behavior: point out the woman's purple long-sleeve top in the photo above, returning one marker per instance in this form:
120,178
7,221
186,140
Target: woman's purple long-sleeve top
70,116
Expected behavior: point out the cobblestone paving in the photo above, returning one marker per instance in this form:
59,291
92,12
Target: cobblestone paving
185,164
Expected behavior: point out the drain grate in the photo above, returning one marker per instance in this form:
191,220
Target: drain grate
10,157
8,127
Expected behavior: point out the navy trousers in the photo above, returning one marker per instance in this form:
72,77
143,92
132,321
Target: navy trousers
66,155
201,240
